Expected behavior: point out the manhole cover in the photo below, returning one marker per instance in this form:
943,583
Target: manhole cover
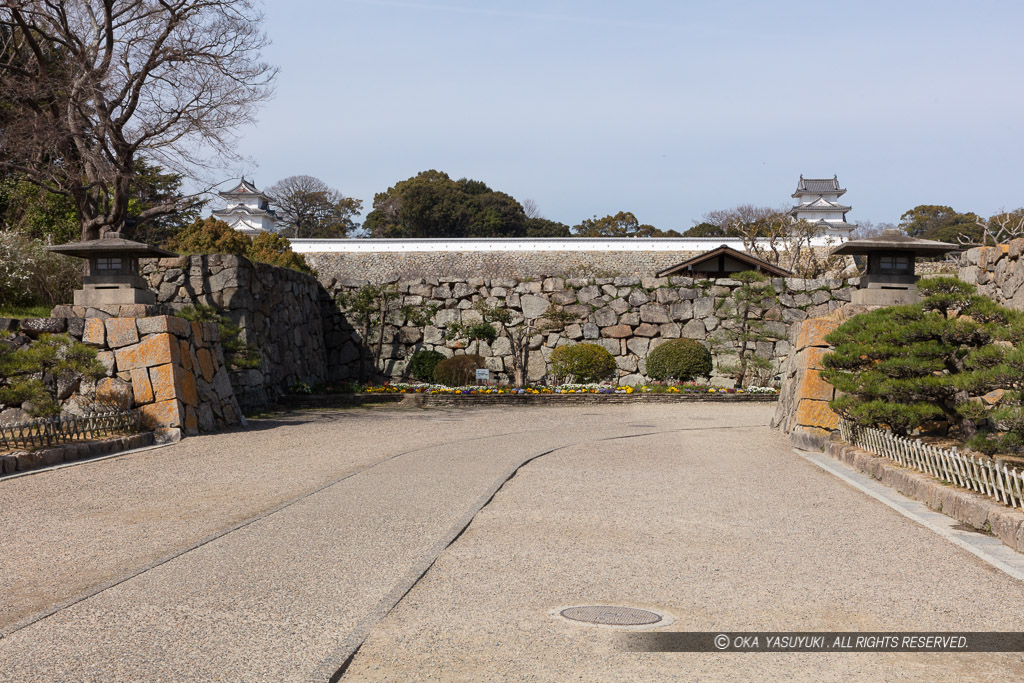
608,615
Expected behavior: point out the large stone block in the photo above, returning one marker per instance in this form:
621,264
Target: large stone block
605,317
814,331
533,306
207,364
94,332
160,324
162,414
813,386
617,332
155,350
113,393
694,329
810,413
142,388
654,313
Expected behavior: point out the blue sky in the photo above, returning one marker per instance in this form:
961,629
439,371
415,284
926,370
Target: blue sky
665,109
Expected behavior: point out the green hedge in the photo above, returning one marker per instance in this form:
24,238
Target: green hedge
582,363
679,359
423,363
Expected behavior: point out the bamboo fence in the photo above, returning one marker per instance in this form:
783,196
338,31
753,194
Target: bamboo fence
54,430
981,475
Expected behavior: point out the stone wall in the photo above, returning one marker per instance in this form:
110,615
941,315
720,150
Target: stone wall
997,271
390,266
802,410
170,369
278,311
628,315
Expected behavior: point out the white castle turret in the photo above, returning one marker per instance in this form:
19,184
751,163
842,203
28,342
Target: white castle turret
818,203
247,209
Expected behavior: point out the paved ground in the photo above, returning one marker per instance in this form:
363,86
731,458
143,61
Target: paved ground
265,555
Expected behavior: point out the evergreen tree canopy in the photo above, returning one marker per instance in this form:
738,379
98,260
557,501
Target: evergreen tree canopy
903,366
431,204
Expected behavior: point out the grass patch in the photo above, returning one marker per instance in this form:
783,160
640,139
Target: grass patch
22,312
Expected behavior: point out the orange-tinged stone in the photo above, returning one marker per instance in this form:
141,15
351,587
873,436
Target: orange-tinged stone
121,332
185,383
993,397
816,414
94,332
155,350
161,414
160,324
114,393
142,388
197,334
814,356
206,364
186,355
814,331
162,379
815,387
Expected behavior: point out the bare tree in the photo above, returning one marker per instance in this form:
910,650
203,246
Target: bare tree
531,209
742,214
308,207
866,229
999,229
791,244
88,85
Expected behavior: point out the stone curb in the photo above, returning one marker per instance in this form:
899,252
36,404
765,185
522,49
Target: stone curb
970,508
24,461
441,400
587,399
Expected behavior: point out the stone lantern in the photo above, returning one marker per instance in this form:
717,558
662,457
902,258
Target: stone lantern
112,270
890,278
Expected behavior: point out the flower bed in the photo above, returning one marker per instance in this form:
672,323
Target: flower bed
437,395
434,389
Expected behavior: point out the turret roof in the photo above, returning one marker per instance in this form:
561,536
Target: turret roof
818,186
243,189
822,204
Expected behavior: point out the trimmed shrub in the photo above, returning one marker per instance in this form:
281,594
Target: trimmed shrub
212,236
458,371
209,236
582,363
679,359
423,363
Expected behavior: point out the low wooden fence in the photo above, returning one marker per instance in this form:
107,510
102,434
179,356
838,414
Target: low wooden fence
982,475
50,431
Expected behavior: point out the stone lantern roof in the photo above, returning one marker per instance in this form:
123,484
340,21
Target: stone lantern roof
111,271
110,243
895,240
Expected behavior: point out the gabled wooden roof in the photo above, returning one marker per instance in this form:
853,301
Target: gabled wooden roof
754,263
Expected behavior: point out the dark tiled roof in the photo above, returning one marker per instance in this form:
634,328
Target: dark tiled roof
821,204
755,263
243,189
818,186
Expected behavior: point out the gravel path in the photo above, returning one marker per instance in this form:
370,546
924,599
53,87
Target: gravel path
270,546
261,555
722,529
